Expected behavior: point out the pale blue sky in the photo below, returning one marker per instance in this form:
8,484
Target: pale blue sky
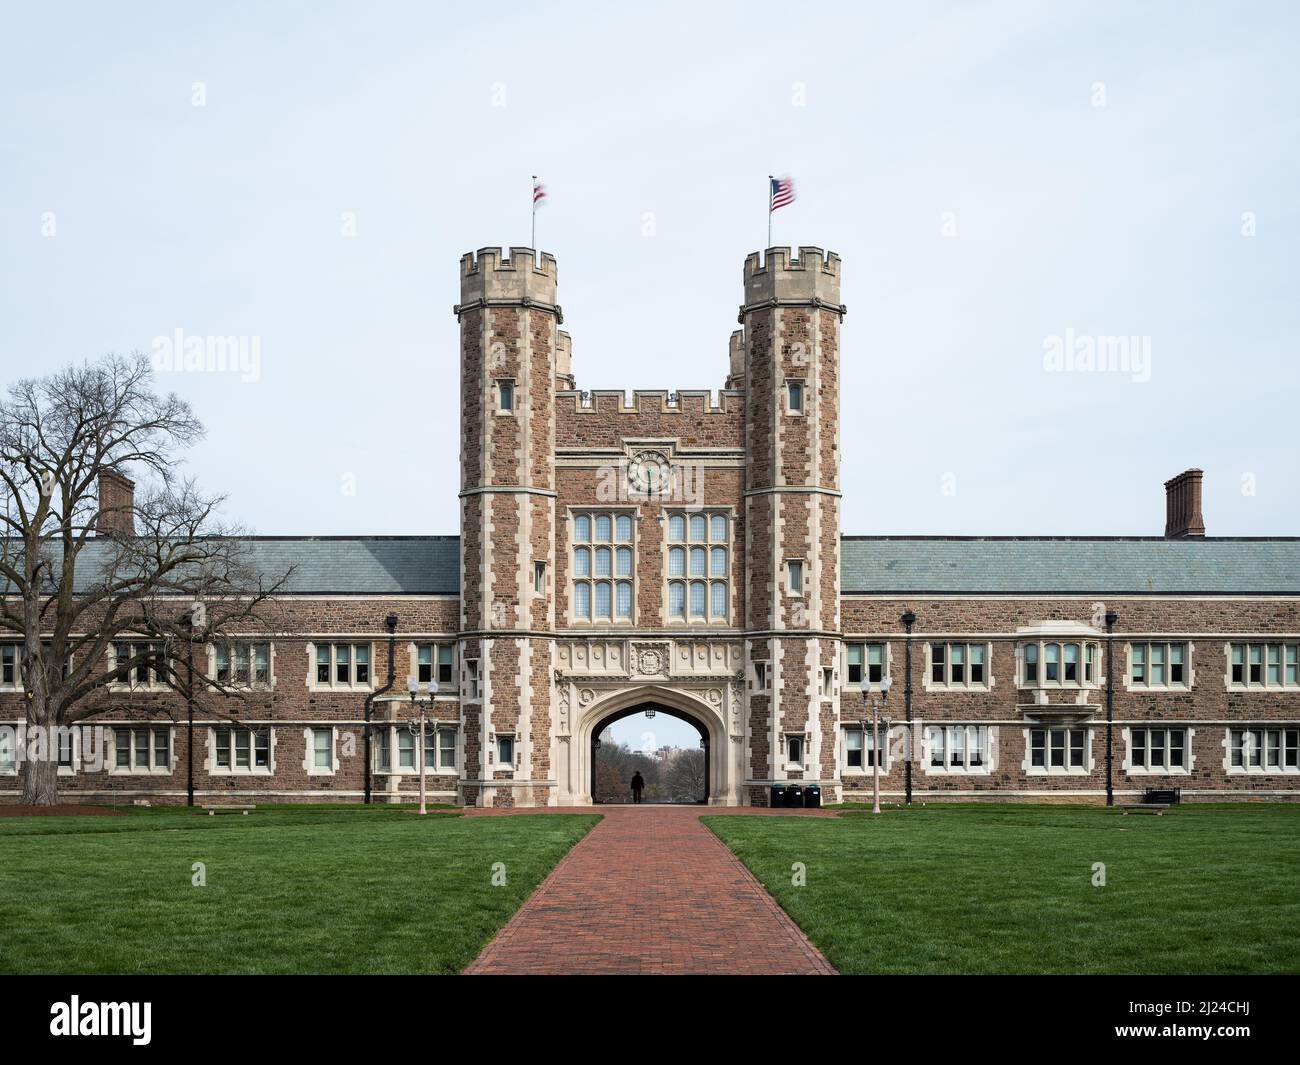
1122,219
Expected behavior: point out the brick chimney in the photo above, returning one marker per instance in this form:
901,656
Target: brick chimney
116,515
1183,506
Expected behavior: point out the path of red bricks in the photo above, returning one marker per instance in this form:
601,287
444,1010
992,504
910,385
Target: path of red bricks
650,890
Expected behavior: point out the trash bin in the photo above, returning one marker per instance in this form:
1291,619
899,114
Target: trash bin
812,797
777,798
794,796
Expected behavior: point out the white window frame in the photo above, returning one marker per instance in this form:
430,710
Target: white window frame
473,680
132,768
501,409
867,748
1166,647
709,580
1047,769
153,684
1288,661
1267,737
591,579
802,384
1147,732
497,764
760,676
334,684
1083,643
436,649
309,759
966,684
232,769
9,734
966,732
231,647
793,566
801,738
865,665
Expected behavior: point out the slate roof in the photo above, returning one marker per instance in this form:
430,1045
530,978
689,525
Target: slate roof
881,565
1070,565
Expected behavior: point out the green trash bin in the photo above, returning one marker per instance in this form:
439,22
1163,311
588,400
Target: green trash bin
812,797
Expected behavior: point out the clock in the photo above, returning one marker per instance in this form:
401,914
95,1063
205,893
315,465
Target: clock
648,472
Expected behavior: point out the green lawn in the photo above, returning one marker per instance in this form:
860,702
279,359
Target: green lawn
1008,889
289,889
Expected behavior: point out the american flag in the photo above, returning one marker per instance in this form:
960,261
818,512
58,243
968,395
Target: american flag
539,192
782,193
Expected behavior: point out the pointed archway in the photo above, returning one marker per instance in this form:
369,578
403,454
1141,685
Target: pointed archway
623,713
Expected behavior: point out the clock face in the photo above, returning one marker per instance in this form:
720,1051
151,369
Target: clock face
648,472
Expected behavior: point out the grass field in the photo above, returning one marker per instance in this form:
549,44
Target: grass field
1008,889
289,889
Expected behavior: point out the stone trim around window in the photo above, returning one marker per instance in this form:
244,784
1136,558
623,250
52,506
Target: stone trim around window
966,650
1150,744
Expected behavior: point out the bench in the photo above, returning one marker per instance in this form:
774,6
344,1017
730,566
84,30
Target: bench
1154,801
1156,808
228,809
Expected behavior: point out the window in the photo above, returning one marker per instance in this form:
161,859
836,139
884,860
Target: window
446,748
1158,750
794,750
699,564
860,749
1264,665
471,679
1158,665
506,396
760,676
539,578
8,749
66,740
853,748
342,665
794,577
958,665
958,748
794,394
243,665
142,750
241,750
1058,750
1065,664
10,671
1264,750
603,567
383,747
149,672
865,661
434,660
506,751
828,682
322,749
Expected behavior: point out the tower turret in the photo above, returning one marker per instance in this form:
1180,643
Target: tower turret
791,325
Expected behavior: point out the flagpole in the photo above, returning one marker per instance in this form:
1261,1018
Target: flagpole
769,210
533,193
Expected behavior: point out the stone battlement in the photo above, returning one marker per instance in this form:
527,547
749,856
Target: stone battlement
812,277
652,401
487,275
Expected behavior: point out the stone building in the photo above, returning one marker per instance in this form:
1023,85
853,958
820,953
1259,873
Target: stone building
683,551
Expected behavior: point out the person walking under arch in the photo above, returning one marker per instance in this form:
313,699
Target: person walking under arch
638,786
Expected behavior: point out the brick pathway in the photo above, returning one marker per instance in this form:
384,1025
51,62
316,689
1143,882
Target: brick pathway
650,890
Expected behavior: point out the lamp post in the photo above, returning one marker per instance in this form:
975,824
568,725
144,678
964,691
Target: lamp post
188,623
390,623
413,685
875,706
1111,618
908,619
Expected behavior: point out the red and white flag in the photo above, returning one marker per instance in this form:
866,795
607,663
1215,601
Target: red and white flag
782,192
539,193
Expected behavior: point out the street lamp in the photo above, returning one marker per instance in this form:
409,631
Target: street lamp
875,706
908,619
1111,618
413,686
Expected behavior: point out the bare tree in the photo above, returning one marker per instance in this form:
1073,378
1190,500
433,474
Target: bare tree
83,570
684,776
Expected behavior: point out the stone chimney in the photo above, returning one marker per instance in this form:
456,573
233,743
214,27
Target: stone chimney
116,515
1183,506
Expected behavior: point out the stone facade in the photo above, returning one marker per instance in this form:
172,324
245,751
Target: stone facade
683,550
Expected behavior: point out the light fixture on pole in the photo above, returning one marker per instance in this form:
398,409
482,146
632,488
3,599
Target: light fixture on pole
875,706
417,723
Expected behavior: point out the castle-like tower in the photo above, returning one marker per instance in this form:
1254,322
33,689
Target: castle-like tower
680,551
508,367
791,344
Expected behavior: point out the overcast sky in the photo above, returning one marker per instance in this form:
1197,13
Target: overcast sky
993,175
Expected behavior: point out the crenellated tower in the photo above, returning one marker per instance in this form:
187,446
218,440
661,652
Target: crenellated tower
511,355
791,342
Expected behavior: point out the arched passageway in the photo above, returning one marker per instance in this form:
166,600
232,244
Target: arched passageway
670,774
